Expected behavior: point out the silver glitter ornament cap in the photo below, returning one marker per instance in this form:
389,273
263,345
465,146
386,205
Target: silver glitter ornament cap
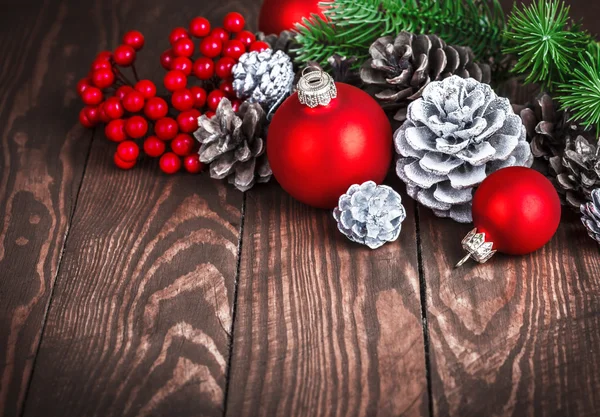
316,87
477,247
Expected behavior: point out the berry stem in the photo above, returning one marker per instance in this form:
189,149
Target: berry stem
135,74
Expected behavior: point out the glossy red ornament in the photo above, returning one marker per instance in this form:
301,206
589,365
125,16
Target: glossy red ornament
220,34
279,15
316,154
182,144
234,22
136,127
156,108
100,64
124,55
93,114
113,108
199,95
178,33
92,96
122,91
199,27
183,47
246,37
234,49
103,78
166,128
133,101
183,64
147,88
211,47
174,80
224,67
115,130
167,58
518,209
154,147
128,151
192,164
203,68
182,99
134,39
169,163
84,119
188,120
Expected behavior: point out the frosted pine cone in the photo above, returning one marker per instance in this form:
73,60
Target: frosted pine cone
457,134
285,41
263,77
401,67
370,214
590,215
234,144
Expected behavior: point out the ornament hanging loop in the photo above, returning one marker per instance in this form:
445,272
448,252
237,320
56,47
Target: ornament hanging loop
316,87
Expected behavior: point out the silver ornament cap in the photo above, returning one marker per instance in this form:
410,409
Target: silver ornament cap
477,247
316,87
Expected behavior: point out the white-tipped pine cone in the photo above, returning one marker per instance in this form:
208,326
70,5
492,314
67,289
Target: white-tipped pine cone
590,215
455,135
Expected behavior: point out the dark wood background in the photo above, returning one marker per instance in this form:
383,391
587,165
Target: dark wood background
137,294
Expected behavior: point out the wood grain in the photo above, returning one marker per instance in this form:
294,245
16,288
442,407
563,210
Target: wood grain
324,327
42,154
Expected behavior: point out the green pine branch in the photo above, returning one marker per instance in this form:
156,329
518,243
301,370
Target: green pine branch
351,26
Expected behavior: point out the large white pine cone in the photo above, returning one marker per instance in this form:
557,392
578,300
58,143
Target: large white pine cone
455,135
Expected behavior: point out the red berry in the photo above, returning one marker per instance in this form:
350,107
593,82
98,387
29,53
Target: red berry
124,55
183,64
178,33
113,108
227,88
183,47
92,96
214,98
93,114
210,114
83,84
182,99
259,46
235,105
136,127
154,147
156,108
100,64
174,80
192,164
84,119
147,88
234,49
133,101
123,164
122,91
246,37
169,163
199,27
134,39
166,128
211,47
128,151
182,144
104,56
103,78
115,130
188,120
220,34
199,96
234,22
166,59
104,118
204,68
224,67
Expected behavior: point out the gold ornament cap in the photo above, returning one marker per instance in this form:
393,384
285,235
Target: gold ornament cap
477,247
316,87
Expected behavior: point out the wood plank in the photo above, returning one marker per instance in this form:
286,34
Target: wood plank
140,321
324,327
42,155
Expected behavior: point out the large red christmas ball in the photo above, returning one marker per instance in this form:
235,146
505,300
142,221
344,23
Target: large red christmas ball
316,154
518,209
279,15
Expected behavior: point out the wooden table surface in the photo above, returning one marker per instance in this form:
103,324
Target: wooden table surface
140,294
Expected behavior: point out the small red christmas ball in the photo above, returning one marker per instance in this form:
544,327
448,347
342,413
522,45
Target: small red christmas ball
100,64
102,116
316,154
214,98
103,78
84,119
167,58
124,55
166,128
113,108
93,113
182,144
199,95
92,96
183,47
199,27
192,164
122,91
259,46
220,34
115,130
136,127
104,56
234,49
83,84
246,37
123,164
279,15
518,209
227,88
169,163
183,64
188,120
211,47
204,68
174,80
182,99
234,22
236,104
154,147
156,108
178,33
134,39
224,67
133,101
146,88
128,150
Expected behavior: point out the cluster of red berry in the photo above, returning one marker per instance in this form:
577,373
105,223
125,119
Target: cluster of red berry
130,111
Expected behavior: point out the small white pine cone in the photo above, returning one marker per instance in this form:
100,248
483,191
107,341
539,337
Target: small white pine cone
590,215
370,214
455,135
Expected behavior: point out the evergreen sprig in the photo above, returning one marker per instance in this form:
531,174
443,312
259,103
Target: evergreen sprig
351,26
545,42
